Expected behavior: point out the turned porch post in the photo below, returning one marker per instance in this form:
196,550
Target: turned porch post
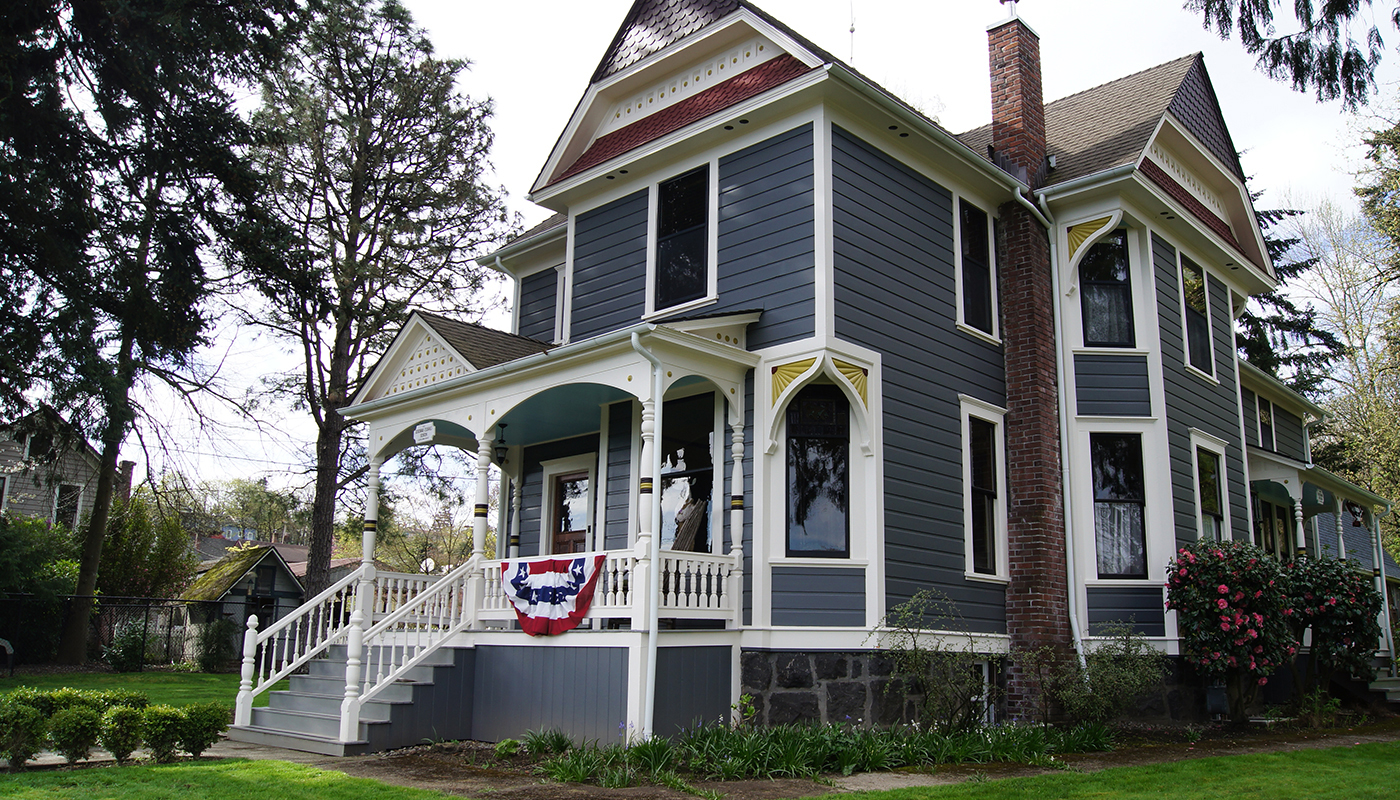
476,586
1299,536
736,512
514,551
363,614
641,576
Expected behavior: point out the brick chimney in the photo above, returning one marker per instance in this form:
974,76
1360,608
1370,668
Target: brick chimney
1018,105
1037,597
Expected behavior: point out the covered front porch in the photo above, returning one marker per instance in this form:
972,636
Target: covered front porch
625,447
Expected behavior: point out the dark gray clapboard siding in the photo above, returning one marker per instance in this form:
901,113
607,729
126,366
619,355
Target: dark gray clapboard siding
1288,434
538,296
692,685
582,691
766,237
1196,403
1112,386
618,509
1142,607
819,597
1250,403
895,293
532,494
610,267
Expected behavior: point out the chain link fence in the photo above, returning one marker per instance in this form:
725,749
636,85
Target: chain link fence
139,630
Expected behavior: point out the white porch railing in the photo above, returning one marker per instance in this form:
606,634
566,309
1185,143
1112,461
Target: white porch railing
284,646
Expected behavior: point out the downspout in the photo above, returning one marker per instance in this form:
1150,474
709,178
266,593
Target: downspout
654,594
1071,574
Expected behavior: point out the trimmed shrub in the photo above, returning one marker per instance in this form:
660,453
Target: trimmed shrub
74,730
123,727
67,697
163,727
1339,604
127,652
202,725
34,698
216,644
128,698
22,729
1120,670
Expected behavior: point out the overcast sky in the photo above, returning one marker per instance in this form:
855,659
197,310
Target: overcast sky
534,59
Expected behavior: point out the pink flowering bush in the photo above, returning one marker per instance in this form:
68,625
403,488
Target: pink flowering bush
1340,605
1232,613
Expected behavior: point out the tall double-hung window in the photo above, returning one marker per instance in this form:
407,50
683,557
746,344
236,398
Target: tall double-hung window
975,276
818,473
1105,285
1120,503
682,239
1196,308
1208,493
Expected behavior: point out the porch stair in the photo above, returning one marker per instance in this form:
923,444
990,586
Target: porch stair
306,717
1390,687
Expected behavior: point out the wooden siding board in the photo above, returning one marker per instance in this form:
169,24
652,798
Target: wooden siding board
766,237
1288,434
538,298
610,257
1112,385
1196,403
618,506
579,690
692,684
1140,607
818,596
895,293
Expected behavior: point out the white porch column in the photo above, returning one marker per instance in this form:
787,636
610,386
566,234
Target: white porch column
1337,515
514,551
1298,534
476,587
645,530
363,614
1378,553
736,513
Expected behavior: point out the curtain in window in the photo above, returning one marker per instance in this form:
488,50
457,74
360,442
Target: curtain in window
1119,527
1108,315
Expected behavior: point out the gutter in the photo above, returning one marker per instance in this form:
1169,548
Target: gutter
1071,574
654,591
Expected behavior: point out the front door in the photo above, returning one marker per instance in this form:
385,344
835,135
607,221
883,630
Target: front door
571,512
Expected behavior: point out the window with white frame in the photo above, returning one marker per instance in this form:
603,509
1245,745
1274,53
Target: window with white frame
65,508
1196,311
1120,504
984,498
1266,424
818,473
976,276
1210,497
4,498
1106,293
681,269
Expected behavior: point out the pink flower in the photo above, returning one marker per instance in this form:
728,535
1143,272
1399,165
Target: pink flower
1224,626
1263,681
1223,589
1181,571
1222,604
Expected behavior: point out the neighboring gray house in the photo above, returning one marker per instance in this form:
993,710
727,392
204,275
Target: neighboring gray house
789,351
247,580
36,482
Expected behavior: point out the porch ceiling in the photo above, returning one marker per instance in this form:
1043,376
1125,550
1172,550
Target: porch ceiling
559,413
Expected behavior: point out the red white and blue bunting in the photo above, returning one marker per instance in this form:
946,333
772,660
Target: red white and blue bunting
550,595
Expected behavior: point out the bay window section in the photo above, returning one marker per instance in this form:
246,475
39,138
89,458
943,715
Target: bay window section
1208,492
1197,311
818,473
1106,293
682,239
687,473
1120,500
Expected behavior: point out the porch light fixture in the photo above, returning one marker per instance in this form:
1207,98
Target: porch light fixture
501,448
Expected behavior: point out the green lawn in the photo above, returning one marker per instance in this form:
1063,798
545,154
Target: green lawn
234,779
1362,772
172,688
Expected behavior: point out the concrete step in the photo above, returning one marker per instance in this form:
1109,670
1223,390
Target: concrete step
1390,687
296,741
325,726
374,710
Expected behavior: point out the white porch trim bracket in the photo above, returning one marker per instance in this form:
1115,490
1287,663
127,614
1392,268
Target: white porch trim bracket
360,617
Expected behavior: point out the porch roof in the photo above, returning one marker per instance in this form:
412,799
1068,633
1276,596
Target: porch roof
598,370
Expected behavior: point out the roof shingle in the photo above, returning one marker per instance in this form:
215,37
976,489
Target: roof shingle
651,25
483,347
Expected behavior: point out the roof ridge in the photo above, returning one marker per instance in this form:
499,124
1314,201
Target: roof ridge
431,315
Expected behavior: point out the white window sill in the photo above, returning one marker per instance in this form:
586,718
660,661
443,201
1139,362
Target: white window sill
1205,376
982,577
680,309
976,333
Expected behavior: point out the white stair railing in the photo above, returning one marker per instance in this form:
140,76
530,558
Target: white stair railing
290,642
415,629
695,582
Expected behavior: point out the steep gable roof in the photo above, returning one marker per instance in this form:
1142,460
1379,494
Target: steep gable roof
651,25
228,571
1110,125
483,347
